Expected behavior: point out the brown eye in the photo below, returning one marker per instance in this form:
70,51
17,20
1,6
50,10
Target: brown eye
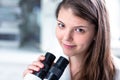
61,25
80,30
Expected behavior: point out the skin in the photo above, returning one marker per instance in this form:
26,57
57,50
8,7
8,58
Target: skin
74,34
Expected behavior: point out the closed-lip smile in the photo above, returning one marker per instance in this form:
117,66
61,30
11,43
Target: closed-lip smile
69,46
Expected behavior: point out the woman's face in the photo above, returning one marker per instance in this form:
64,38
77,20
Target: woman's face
73,33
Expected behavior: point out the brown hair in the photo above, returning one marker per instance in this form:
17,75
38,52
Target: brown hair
97,65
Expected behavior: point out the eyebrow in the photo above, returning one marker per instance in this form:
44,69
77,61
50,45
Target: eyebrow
60,21
81,26
75,26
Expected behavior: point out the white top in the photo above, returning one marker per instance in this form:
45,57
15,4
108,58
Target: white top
31,77
116,61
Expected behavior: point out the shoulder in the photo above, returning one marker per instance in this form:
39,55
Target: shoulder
116,62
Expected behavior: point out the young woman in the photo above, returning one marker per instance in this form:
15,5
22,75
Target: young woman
83,31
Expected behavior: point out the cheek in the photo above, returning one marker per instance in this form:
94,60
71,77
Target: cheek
58,34
84,41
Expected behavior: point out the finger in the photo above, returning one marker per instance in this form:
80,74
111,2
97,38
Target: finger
38,64
33,67
30,69
41,58
26,72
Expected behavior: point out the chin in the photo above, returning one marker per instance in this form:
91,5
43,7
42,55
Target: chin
69,54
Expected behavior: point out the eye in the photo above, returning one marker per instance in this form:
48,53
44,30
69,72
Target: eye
61,25
80,30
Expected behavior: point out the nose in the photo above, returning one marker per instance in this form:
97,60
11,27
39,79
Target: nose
68,35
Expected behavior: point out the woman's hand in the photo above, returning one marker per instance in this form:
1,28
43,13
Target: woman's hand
35,66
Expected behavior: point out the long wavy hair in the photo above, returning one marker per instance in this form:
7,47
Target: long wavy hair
97,63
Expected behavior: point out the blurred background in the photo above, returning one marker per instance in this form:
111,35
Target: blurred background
27,30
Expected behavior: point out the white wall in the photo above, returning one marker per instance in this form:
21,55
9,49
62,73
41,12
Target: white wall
48,25
114,13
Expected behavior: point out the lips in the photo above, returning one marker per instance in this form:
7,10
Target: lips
68,46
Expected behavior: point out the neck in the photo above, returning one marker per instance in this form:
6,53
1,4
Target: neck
75,65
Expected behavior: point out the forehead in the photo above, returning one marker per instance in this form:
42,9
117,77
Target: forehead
67,16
